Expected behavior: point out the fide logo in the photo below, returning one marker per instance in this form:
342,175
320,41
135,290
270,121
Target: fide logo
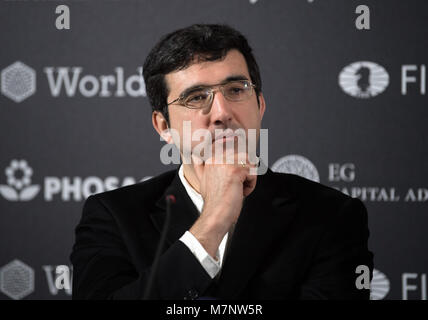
18,81
296,164
379,286
19,186
363,79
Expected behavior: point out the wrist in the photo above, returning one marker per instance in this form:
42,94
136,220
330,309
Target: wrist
209,233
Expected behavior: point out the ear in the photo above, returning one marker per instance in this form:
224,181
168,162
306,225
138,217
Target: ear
161,126
262,105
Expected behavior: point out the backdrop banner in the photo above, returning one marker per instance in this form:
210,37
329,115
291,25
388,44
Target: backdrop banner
345,89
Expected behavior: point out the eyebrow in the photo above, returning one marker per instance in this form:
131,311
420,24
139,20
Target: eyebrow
202,85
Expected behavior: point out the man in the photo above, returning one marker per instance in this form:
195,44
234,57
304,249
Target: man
232,234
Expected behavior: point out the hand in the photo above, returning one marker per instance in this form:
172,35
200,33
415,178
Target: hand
223,187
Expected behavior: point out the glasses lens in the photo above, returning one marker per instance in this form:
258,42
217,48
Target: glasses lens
237,90
197,99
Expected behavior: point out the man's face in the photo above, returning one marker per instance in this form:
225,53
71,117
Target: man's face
223,114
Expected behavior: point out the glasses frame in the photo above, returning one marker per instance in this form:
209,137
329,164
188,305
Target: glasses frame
212,90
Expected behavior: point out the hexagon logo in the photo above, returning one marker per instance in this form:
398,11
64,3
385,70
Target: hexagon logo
16,280
18,81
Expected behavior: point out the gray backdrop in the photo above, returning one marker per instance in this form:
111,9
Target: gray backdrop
345,107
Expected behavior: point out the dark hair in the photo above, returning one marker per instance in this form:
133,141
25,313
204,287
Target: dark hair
176,51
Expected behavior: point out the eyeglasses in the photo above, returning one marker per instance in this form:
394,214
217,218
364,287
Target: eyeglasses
202,97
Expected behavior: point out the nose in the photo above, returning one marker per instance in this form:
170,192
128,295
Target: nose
221,113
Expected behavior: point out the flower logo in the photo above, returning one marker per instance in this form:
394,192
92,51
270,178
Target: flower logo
19,182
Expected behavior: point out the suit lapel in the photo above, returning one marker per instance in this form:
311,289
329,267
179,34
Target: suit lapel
183,211
266,214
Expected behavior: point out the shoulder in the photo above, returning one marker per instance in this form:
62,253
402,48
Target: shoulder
316,199
304,188
141,194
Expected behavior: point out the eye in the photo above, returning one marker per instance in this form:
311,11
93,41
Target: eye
197,97
235,90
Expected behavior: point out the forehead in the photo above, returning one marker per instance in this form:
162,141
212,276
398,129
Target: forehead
207,72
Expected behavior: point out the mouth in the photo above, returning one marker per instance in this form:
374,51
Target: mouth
224,139
225,135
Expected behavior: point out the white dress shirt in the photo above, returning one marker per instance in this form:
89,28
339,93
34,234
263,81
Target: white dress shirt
211,266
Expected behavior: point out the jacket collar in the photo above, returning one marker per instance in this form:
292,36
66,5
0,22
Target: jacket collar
183,212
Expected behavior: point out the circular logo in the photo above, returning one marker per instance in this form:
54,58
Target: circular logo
379,286
298,165
363,79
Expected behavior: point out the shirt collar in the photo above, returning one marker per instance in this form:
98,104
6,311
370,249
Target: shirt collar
196,197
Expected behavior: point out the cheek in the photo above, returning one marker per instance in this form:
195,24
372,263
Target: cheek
176,118
250,119
175,126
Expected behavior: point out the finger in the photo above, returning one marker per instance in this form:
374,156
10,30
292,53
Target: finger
249,185
198,165
242,159
250,178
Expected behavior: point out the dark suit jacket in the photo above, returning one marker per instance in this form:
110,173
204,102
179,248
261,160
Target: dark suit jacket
295,239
